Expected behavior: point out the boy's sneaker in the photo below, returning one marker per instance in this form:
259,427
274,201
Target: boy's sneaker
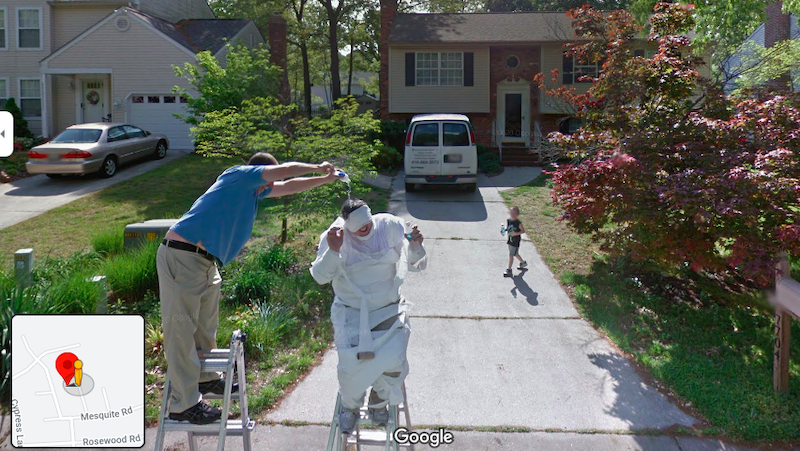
523,265
508,273
200,413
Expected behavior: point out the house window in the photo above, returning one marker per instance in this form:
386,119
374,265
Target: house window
29,24
184,99
440,69
30,97
137,99
153,99
169,99
585,70
3,28
512,61
3,91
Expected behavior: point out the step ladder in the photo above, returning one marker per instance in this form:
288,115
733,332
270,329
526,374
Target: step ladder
231,363
338,441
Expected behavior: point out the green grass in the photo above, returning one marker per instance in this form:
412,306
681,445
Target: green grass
706,342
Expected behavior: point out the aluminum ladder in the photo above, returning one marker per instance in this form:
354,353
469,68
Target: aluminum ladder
231,363
339,441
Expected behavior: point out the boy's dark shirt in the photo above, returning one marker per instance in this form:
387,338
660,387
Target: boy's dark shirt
512,225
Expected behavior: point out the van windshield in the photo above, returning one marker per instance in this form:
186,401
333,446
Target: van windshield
455,134
426,134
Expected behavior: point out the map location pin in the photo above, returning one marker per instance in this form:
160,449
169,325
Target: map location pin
65,365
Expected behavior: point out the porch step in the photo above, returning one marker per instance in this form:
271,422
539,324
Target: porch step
516,156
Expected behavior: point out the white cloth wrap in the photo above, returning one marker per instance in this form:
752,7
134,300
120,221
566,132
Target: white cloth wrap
366,275
358,218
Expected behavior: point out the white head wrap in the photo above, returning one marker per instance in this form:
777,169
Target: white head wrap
358,218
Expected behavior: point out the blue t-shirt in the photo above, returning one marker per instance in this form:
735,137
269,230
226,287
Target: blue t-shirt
222,218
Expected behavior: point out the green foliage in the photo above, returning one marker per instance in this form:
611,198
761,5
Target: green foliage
393,133
387,159
131,275
481,149
760,65
21,129
109,242
489,163
246,75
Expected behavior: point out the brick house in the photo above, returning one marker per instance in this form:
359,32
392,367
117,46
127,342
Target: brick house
481,65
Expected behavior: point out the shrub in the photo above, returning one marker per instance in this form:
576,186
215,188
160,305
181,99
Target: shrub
109,242
481,149
75,293
387,158
248,285
276,258
21,129
132,274
393,133
489,163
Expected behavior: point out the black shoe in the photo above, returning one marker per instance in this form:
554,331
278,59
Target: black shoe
216,387
200,413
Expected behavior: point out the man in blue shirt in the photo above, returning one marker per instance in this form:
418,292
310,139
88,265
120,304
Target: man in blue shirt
210,235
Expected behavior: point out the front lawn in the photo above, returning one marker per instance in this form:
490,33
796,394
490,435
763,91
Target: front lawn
710,345
267,292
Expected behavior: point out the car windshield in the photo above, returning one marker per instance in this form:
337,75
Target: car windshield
78,135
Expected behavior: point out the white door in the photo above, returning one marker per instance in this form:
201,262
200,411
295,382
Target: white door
513,113
156,114
93,102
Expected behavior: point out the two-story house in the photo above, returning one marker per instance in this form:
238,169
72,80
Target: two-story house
483,65
76,61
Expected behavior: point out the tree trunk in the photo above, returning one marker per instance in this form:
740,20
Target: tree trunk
306,79
350,70
333,42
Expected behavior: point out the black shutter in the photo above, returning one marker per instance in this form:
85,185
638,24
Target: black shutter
566,69
411,69
469,69
638,52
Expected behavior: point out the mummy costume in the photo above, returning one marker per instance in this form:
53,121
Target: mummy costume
370,317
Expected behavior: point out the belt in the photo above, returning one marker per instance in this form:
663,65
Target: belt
182,246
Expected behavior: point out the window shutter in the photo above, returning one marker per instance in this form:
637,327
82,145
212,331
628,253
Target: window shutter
566,69
411,70
639,53
469,69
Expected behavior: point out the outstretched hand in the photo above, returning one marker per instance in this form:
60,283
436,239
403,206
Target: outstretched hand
416,235
327,168
335,238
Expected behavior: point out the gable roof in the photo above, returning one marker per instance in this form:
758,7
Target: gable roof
534,26
197,35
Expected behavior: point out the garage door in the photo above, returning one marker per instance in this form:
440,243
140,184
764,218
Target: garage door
155,113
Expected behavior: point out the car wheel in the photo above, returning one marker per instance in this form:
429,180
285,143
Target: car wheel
109,167
161,150
54,176
411,187
472,187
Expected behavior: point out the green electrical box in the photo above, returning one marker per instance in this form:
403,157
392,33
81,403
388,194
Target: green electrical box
147,231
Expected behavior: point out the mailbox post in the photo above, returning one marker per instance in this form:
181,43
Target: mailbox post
787,306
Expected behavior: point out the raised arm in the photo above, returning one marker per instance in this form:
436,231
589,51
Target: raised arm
328,262
293,169
300,184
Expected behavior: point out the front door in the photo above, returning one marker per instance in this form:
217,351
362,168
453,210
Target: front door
93,102
513,113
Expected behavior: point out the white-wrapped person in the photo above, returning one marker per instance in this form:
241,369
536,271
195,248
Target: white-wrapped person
366,257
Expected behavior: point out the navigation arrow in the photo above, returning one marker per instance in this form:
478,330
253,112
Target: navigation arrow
3,134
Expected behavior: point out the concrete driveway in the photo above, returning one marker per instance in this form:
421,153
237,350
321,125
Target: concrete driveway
32,196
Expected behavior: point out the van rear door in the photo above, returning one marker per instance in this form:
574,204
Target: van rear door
460,155
424,153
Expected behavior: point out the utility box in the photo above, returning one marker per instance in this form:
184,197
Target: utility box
145,232
23,267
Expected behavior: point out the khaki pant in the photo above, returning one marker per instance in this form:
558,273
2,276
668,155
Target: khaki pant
189,286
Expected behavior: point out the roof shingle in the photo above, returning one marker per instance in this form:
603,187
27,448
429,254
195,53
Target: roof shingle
197,35
538,26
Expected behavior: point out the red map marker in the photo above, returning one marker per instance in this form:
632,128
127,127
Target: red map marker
65,365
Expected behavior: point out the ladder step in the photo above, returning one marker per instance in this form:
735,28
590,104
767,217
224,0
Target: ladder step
234,427
368,438
213,365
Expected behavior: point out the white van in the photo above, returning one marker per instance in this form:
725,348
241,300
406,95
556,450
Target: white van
441,150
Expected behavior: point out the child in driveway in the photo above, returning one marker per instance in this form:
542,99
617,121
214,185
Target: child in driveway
515,229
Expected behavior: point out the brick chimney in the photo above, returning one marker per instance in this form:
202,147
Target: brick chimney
776,29
278,51
388,11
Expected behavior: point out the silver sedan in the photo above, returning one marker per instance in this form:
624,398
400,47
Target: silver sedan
95,148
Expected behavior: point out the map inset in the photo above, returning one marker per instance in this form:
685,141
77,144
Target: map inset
77,381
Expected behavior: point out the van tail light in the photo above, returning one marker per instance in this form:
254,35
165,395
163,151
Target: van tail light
79,154
408,138
36,155
471,137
